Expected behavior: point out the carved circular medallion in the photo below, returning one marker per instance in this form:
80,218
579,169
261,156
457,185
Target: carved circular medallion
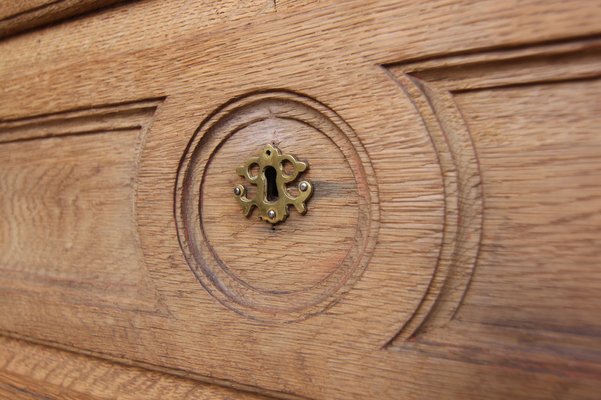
295,269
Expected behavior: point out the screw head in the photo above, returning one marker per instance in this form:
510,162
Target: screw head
303,186
237,191
271,214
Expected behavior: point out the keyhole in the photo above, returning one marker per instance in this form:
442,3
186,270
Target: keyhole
272,187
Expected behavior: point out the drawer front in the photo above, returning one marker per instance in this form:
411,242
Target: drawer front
302,200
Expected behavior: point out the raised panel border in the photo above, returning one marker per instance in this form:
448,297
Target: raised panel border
432,84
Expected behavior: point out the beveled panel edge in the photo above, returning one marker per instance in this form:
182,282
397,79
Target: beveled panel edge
48,13
431,84
124,117
40,377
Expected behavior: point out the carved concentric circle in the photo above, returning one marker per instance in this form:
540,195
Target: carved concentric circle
313,267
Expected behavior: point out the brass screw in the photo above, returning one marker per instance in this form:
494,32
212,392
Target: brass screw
303,186
271,214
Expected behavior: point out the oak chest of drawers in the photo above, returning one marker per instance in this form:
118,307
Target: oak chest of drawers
300,199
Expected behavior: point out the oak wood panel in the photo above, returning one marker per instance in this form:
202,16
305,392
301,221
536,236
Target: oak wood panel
32,371
257,243
558,80
538,267
9,8
57,168
462,27
21,15
133,116
408,324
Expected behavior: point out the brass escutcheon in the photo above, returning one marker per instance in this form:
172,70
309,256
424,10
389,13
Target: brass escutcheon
273,198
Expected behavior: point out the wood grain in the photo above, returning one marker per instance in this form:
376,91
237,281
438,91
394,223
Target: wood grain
64,172
30,371
573,69
548,215
476,126
21,15
259,270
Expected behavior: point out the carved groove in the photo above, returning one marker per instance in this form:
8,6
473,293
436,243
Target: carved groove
463,205
216,276
110,118
431,86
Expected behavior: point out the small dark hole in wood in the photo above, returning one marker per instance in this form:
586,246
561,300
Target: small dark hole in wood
272,187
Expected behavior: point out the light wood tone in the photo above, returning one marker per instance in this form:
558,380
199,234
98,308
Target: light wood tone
21,15
451,249
17,16
568,83
9,8
32,371
245,243
274,272
56,167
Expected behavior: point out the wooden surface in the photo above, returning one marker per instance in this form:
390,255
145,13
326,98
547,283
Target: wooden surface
32,371
451,248
20,15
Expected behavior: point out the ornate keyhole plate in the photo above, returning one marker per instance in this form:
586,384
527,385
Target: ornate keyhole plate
273,197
